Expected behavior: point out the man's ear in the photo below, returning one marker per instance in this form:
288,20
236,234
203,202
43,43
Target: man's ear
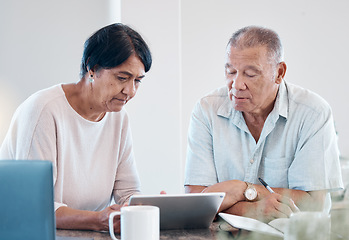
281,71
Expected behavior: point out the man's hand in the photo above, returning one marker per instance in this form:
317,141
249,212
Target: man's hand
268,205
268,208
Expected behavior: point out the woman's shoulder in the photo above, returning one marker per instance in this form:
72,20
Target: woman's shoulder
47,95
40,100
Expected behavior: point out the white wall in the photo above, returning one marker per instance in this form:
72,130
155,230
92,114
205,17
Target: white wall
155,112
42,41
315,37
41,44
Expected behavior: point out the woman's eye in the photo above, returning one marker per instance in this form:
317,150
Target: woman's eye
122,78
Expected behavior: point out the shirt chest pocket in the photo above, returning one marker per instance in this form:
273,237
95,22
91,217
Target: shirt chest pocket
275,171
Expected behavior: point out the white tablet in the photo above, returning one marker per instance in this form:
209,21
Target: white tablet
183,211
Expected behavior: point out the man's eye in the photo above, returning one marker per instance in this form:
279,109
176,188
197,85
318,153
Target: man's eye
250,75
138,81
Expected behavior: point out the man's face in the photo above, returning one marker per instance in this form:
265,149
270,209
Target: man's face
252,79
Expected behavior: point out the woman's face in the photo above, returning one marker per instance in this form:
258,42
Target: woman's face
113,88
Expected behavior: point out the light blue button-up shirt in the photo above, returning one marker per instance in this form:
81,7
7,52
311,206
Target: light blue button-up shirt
297,148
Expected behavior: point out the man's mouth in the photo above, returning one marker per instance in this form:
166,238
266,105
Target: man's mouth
239,97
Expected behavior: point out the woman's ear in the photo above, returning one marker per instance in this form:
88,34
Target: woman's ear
90,72
281,71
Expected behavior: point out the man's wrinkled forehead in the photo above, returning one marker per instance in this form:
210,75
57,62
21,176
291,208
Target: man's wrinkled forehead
245,53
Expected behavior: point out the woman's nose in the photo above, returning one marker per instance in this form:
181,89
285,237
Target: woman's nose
129,88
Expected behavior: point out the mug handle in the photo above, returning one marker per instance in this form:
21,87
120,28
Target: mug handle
111,224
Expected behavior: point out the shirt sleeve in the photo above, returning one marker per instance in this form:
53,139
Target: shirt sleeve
316,164
127,182
200,167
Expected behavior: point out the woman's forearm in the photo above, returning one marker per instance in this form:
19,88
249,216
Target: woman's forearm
68,218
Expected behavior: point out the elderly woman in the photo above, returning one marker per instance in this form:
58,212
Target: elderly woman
82,128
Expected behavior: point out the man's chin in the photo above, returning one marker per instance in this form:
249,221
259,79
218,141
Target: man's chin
239,107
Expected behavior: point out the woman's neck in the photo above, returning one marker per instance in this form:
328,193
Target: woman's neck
80,98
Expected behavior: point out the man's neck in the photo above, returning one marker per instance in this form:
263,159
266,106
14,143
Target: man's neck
255,121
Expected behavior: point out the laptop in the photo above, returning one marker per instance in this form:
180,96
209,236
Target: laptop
26,202
183,211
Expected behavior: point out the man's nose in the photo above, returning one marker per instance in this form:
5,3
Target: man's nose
238,83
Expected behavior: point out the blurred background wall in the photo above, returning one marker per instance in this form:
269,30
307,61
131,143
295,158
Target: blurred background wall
41,44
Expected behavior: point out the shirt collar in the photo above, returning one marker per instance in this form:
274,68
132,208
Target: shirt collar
281,103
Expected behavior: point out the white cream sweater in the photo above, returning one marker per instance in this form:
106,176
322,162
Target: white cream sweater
92,161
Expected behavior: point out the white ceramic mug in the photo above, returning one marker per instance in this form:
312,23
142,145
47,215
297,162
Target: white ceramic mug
137,222
308,226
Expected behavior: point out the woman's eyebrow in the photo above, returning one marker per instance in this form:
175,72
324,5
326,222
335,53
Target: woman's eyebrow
131,75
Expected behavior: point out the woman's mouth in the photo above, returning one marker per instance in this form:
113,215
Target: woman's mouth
121,100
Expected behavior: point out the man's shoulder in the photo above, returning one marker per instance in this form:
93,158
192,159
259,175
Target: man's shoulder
217,96
302,97
215,103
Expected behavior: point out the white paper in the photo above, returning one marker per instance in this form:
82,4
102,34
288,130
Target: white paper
255,225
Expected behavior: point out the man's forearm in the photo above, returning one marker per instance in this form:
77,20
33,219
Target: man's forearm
234,190
264,210
235,201
305,201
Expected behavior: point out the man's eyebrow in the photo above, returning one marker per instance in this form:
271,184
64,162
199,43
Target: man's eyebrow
131,75
253,68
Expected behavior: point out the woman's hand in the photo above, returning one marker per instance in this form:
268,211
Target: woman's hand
103,218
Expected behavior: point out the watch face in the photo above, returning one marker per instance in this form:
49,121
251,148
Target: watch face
250,194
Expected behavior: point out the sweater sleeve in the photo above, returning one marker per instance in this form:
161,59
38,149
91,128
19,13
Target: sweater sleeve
32,136
127,181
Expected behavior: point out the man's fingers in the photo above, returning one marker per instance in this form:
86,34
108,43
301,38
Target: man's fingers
294,207
284,209
289,202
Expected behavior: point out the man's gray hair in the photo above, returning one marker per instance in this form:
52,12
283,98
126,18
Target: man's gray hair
254,36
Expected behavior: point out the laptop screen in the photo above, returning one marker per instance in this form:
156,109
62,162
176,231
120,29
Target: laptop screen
26,202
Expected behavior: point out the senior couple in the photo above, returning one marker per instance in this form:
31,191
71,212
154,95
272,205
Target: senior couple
256,126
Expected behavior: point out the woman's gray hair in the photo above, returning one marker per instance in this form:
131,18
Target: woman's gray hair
253,36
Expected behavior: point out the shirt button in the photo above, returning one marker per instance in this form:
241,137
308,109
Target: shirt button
251,161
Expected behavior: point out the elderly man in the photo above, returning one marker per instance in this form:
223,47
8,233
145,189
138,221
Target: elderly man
259,126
